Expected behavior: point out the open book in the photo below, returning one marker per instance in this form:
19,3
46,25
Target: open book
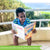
24,32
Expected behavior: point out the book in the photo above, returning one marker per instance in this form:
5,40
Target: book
23,32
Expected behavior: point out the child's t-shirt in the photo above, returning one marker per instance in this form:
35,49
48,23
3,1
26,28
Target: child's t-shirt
17,21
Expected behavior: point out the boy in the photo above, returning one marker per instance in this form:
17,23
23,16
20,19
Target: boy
23,21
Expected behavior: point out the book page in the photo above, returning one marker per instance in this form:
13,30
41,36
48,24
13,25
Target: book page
20,30
28,30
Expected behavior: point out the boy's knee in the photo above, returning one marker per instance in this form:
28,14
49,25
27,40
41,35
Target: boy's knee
15,37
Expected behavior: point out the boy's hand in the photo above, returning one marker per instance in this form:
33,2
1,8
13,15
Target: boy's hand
13,31
34,31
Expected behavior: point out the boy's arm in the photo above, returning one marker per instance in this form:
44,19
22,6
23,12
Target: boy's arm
34,31
13,31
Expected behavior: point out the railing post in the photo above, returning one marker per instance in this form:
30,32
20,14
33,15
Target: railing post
14,15
40,25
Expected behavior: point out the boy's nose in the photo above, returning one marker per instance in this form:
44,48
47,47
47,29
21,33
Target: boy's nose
23,19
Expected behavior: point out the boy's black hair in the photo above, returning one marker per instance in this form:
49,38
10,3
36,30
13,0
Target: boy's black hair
19,10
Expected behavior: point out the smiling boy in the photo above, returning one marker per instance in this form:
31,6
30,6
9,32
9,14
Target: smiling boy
22,21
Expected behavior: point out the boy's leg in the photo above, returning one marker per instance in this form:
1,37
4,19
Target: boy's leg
15,40
29,41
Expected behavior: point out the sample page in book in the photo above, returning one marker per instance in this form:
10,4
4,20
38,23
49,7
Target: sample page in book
28,30
22,32
19,29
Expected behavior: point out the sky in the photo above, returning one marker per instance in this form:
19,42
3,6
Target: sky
35,1
44,4
38,5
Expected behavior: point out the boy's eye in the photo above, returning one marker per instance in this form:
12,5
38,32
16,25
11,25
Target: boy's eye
24,15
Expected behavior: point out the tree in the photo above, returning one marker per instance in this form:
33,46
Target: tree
30,15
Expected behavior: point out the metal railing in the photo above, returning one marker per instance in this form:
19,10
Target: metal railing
13,10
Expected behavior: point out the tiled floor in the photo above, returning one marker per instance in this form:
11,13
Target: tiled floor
45,45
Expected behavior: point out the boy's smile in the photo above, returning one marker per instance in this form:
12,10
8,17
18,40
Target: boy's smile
22,17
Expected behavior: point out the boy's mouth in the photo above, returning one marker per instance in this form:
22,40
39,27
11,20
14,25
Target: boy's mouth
23,19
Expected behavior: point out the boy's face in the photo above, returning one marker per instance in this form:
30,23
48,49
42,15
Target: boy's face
22,16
